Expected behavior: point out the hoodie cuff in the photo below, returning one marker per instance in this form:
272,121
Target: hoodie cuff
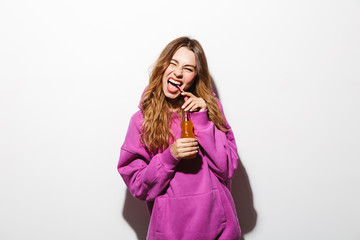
168,160
200,119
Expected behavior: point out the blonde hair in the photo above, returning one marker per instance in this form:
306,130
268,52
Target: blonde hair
155,132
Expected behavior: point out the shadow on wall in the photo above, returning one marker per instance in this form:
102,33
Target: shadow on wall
243,198
242,193
136,214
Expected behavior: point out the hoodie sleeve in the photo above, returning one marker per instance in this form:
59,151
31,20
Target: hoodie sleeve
220,147
145,177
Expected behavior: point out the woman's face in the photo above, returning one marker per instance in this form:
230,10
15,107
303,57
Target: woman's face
181,71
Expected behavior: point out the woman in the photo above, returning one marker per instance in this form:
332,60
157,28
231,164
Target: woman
186,198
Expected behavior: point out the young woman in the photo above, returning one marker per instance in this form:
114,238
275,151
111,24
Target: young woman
186,198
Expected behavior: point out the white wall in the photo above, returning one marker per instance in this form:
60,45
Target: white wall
72,72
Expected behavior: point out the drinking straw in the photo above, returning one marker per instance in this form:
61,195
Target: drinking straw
186,98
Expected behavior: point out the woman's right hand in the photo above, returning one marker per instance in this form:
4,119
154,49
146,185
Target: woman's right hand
184,147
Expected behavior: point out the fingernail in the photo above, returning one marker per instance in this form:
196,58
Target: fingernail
182,106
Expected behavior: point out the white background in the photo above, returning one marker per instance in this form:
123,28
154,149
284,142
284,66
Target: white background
72,72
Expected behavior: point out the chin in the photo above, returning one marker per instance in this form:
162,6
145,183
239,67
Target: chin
171,95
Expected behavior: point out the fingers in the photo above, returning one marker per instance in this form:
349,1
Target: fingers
192,106
188,94
184,140
184,147
185,152
187,142
188,154
193,103
186,104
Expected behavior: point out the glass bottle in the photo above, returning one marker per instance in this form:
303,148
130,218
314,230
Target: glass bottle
187,131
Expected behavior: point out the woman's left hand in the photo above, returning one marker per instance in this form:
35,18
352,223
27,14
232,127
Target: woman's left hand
193,103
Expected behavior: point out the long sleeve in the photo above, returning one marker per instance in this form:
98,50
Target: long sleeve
220,147
145,177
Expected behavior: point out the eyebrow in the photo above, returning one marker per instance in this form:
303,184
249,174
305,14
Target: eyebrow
186,65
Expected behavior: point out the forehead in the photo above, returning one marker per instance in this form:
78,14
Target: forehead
185,56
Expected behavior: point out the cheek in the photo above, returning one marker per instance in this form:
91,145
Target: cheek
167,71
190,78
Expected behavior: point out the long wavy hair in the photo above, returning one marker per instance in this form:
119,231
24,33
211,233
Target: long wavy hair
155,132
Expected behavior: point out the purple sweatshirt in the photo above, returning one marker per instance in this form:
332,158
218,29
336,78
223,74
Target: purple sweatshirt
187,199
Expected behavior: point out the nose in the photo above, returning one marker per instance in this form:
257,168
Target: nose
178,72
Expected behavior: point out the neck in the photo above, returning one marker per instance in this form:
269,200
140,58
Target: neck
174,104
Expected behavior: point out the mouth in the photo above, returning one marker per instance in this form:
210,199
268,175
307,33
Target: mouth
174,82
173,85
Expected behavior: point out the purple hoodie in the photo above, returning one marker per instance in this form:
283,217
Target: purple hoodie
187,199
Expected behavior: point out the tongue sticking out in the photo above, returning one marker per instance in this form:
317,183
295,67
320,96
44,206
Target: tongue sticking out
172,88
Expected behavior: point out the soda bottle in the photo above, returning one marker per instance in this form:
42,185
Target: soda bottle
187,131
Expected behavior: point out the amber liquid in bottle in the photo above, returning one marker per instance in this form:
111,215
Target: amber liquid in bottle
187,131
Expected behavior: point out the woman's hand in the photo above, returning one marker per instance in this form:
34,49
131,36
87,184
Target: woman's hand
184,147
193,103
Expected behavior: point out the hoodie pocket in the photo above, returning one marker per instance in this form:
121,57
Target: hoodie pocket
201,214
